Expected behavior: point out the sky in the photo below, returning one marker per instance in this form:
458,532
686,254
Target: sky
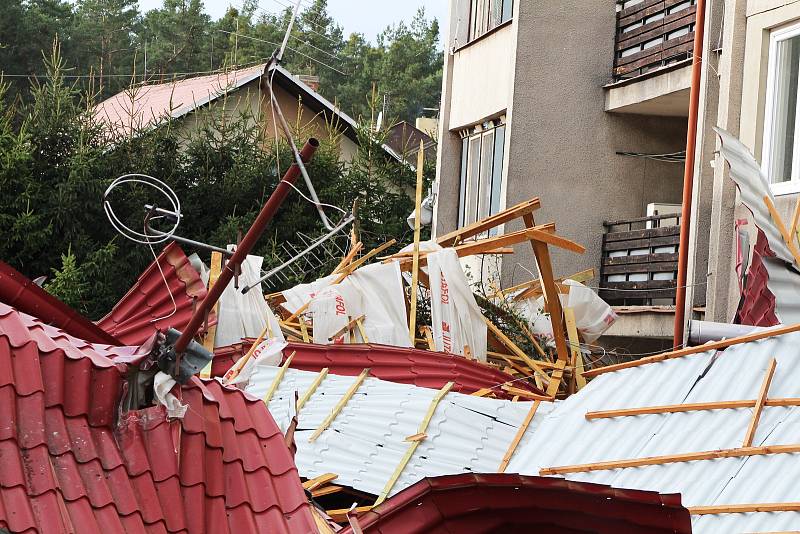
369,17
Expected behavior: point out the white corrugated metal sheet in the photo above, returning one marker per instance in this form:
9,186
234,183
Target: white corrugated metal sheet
753,187
365,443
566,437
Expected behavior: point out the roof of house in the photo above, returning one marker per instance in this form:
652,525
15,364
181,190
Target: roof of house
148,306
70,465
395,364
19,291
404,138
366,441
145,106
568,438
511,503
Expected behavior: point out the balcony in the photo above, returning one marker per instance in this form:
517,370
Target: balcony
640,261
652,57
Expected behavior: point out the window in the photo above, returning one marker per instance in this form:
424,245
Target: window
486,15
482,151
780,156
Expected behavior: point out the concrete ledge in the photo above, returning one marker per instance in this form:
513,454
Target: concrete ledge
645,322
664,94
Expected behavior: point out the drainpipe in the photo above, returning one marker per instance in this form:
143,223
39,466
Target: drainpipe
248,242
688,176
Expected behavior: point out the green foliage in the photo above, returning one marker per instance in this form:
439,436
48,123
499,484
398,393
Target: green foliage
56,164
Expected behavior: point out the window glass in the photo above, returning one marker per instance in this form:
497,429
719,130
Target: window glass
473,180
482,150
462,192
497,169
781,150
487,165
508,9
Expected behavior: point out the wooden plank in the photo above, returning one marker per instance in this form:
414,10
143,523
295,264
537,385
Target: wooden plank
348,258
795,220
630,268
326,490
524,393
340,515
346,328
312,389
509,214
534,287
787,237
715,345
368,256
642,258
426,331
208,342
645,285
319,481
671,459
648,218
339,405
692,407
510,345
360,325
423,428
682,46
304,331
412,314
642,243
745,508
551,294
273,387
759,406
518,437
644,233
555,379
575,348
648,32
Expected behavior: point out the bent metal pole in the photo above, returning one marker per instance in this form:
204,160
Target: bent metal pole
248,242
688,176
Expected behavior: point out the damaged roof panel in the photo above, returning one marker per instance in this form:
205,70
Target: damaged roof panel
70,466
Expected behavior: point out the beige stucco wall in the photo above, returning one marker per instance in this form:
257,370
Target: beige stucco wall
250,101
477,94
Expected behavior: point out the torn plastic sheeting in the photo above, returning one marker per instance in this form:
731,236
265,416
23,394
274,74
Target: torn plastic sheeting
163,384
269,352
243,316
593,315
456,318
383,301
332,309
299,295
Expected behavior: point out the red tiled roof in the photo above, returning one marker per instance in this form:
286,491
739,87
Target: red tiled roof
394,364
514,503
758,302
131,320
20,292
69,466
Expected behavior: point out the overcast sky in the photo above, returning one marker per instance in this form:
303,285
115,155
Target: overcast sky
369,17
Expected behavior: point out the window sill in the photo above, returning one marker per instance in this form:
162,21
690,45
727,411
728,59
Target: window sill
484,36
785,188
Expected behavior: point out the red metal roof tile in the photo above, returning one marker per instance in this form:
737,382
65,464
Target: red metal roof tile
395,364
758,303
18,291
69,466
133,319
514,503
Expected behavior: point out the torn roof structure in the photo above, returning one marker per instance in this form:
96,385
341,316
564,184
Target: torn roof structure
513,503
394,364
69,464
150,305
366,441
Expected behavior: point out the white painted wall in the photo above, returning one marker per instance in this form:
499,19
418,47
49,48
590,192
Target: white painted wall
482,78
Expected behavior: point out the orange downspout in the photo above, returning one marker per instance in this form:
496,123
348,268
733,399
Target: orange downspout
688,176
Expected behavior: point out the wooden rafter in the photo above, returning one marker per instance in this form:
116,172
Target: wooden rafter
693,407
518,437
746,508
494,221
339,405
671,459
716,345
759,406
208,342
423,428
312,389
276,382
412,315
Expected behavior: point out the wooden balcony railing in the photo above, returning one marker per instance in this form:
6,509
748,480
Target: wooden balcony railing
652,34
640,261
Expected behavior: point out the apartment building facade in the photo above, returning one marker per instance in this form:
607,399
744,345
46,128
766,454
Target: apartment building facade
584,104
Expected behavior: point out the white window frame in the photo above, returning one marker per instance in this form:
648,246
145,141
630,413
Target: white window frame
477,201
793,184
